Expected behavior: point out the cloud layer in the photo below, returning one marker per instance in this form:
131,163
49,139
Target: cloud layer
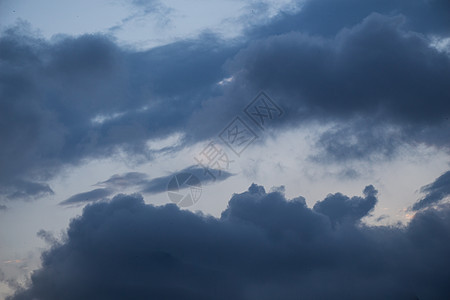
374,73
262,247
74,99
371,71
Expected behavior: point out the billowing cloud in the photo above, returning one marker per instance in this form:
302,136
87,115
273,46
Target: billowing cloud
434,192
372,71
78,98
377,83
340,208
262,247
369,72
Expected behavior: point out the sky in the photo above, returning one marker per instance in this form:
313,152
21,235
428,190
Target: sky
224,149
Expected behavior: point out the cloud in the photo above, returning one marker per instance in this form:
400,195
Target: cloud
340,208
434,192
47,237
25,190
327,17
91,196
370,71
146,8
362,139
3,207
262,247
379,85
158,185
142,183
77,98
124,180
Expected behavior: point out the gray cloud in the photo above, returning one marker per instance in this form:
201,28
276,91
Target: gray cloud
365,69
154,9
91,196
340,208
327,17
21,189
47,237
381,84
363,139
124,180
78,98
434,192
142,183
262,247
158,185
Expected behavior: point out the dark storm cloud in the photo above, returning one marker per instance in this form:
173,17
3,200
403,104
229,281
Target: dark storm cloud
380,83
3,207
91,196
262,247
434,192
156,185
327,17
340,208
366,70
376,69
78,98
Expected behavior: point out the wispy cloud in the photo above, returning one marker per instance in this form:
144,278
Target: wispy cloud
91,196
435,192
141,183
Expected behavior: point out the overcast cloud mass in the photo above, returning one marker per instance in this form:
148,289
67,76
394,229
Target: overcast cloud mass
262,247
373,74
77,98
